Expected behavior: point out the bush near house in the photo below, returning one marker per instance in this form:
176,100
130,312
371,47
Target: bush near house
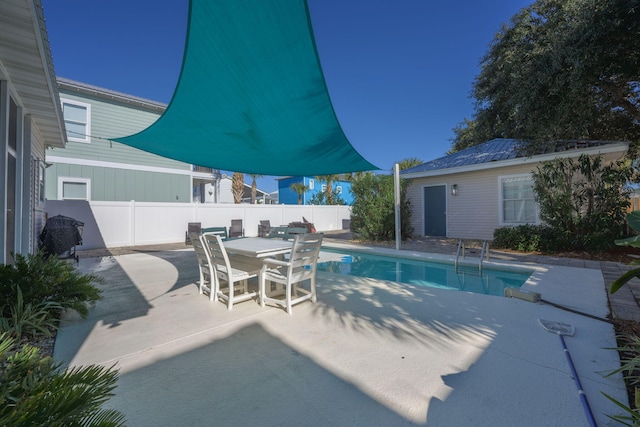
583,202
373,211
34,390
43,279
531,238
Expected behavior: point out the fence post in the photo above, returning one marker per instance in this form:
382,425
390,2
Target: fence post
132,222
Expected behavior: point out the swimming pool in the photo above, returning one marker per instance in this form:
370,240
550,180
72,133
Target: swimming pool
421,273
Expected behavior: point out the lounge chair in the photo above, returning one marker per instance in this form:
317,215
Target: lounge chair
235,277
300,267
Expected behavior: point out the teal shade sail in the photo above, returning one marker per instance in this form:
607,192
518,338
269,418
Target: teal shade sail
251,96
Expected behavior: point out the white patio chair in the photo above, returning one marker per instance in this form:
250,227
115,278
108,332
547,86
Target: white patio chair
235,277
207,273
300,267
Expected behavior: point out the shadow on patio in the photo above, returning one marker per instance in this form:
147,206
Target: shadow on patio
369,352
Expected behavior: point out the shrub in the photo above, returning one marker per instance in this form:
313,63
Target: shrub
525,238
629,353
27,318
633,220
531,238
373,211
44,279
583,201
34,391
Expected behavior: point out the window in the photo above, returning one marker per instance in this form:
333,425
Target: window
324,188
518,205
74,189
338,189
311,184
41,182
77,120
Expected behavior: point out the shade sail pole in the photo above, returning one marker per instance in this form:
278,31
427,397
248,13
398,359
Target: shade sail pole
396,192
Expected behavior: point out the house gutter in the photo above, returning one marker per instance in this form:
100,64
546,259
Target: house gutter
87,89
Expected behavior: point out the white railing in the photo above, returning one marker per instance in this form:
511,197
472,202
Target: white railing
115,224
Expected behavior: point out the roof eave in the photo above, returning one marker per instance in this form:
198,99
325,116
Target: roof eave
26,64
87,89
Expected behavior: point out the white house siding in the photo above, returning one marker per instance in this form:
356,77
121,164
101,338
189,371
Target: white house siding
30,119
475,212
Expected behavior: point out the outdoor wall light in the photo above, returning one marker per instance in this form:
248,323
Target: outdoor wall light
454,189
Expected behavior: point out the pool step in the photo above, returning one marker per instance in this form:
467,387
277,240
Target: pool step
462,251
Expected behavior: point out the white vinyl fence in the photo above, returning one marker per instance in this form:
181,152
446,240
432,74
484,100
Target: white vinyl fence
116,224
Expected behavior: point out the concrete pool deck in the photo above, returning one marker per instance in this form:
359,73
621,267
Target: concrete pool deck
368,353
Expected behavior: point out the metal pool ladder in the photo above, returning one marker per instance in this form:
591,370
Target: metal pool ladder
462,251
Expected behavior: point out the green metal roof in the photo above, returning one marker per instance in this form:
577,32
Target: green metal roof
251,95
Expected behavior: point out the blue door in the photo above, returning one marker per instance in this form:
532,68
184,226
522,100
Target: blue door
435,210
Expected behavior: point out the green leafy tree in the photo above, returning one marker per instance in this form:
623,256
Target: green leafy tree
328,197
319,198
584,201
409,163
299,188
561,70
373,211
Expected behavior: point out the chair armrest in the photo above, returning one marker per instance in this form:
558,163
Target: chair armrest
273,261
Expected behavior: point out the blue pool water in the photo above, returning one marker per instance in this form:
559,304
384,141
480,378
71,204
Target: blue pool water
422,273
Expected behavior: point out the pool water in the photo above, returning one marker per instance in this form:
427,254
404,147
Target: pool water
422,273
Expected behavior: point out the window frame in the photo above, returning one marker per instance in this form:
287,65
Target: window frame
501,200
42,180
87,137
66,179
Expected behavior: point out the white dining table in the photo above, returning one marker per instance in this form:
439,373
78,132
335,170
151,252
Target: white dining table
258,247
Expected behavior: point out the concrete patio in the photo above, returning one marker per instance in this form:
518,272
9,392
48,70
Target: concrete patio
368,353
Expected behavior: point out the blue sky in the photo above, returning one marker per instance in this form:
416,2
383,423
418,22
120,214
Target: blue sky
399,73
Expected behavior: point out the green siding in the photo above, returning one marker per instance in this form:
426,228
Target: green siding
124,176
110,120
108,184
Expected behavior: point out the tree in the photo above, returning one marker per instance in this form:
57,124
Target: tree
584,201
373,211
409,163
237,187
254,187
561,70
328,192
299,188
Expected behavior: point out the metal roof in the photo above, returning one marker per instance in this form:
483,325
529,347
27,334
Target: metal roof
498,150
